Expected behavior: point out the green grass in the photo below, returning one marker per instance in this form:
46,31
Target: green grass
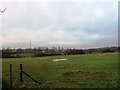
80,71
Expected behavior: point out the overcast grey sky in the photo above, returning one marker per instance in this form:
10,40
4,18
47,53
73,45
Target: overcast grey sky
65,24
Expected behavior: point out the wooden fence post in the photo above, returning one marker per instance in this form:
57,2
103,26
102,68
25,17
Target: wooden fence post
21,70
10,75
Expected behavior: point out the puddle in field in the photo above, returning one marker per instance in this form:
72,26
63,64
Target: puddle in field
60,59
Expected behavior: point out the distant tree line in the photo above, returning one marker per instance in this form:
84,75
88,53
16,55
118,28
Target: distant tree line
45,51
102,50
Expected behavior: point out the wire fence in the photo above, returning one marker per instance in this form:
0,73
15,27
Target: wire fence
16,77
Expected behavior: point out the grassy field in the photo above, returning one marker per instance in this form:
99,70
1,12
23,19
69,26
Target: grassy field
80,71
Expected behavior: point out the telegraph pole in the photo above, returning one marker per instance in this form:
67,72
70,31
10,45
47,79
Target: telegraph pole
30,46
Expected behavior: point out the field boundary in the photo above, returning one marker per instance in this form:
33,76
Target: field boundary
21,72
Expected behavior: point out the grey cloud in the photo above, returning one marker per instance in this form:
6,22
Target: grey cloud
60,21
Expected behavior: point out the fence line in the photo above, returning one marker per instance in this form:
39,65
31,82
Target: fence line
21,75
21,72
